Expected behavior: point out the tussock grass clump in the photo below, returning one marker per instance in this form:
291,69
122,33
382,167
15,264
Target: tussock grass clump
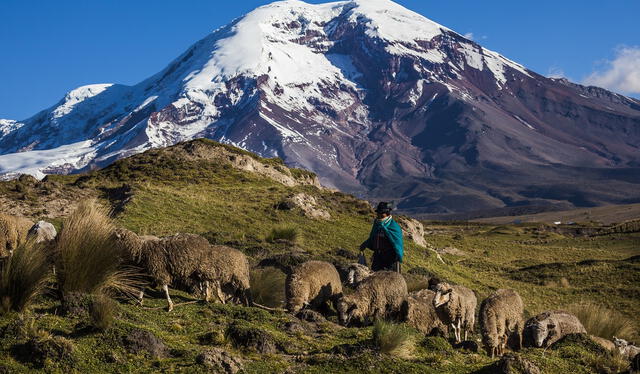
603,322
103,311
394,339
288,233
88,259
23,276
267,287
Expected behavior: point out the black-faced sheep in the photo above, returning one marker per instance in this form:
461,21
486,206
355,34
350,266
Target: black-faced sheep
356,273
418,311
548,327
501,321
183,258
626,349
13,231
379,296
312,283
456,307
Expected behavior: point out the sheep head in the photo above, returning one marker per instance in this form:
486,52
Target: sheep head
444,292
129,242
347,310
541,331
357,273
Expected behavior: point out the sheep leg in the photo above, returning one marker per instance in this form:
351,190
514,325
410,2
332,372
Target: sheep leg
219,293
140,296
207,291
170,303
455,332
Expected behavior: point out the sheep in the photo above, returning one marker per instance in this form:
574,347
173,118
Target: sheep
356,273
418,311
42,232
230,270
626,349
548,327
501,319
312,283
185,257
13,232
456,306
381,295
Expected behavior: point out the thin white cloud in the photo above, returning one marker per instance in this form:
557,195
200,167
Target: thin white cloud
468,35
556,72
622,74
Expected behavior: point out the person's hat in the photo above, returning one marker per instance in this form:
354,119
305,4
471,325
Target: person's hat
384,207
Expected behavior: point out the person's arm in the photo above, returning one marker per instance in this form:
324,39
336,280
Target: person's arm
364,245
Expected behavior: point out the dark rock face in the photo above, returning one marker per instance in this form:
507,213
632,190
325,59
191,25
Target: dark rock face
141,341
438,123
36,351
512,363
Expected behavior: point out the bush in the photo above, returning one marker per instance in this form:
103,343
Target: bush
23,276
394,339
103,312
88,259
603,322
288,233
267,287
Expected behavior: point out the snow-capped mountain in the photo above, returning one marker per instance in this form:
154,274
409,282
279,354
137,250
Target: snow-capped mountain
376,99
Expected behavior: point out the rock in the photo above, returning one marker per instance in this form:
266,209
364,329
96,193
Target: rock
143,341
467,345
310,316
220,361
251,338
413,230
37,351
309,205
451,251
512,363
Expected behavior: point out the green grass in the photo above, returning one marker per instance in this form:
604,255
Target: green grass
172,194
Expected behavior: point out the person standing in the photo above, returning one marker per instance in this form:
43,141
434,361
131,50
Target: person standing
385,240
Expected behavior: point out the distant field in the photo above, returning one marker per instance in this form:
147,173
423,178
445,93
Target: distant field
606,215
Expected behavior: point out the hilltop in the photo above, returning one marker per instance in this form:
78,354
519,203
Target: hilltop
236,198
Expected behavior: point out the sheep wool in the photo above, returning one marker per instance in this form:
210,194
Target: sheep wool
13,232
501,321
418,312
548,327
456,307
379,296
312,283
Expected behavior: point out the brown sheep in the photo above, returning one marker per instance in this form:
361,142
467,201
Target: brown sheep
456,307
418,311
548,327
501,321
230,270
13,232
379,296
176,258
313,283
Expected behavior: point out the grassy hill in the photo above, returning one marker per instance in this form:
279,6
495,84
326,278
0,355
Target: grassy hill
238,199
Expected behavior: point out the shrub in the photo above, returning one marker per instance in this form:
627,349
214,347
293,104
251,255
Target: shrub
88,259
288,233
394,339
267,287
603,322
102,311
23,276
415,282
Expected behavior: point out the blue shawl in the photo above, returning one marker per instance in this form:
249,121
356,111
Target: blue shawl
392,231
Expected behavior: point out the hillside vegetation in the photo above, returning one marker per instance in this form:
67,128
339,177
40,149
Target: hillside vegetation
234,198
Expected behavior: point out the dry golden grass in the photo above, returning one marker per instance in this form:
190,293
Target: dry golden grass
103,311
23,276
88,260
267,287
288,233
603,322
394,339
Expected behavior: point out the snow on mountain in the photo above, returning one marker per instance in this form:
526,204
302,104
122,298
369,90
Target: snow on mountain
375,98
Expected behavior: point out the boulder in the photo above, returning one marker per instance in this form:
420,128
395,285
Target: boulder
220,361
142,341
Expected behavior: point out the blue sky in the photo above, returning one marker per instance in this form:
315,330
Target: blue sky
50,47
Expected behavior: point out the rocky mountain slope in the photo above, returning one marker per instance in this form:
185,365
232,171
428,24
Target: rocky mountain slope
376,99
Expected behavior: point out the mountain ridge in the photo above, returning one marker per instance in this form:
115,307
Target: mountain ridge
352,91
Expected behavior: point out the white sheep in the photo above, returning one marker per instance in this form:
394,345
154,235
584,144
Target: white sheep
501,318
312,283
456,307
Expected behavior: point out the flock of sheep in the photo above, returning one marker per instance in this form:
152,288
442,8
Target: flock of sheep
224,272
